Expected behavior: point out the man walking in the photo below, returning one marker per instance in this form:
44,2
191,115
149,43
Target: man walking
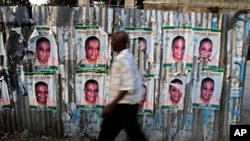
125,94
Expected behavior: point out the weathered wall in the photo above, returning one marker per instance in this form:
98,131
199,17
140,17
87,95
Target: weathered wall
187,124
221,6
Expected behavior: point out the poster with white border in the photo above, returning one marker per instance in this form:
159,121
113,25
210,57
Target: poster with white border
40,85
46,59
90,90
173,92
146,107
144,38
173,52
207,46
206,92
90,57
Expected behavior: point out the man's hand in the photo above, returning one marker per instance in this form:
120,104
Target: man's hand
107,110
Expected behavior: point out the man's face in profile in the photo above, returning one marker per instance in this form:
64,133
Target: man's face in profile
43,51
91,92
92,50
42,94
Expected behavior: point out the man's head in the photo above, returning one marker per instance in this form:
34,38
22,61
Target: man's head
91,91
178,48
43,50
175,92
119,41
207,89
92,49
144,95
206,48
143,44
42,92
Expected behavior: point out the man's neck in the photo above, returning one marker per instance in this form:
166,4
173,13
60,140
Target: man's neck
118,51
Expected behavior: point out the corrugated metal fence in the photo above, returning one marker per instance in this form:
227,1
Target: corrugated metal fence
187,123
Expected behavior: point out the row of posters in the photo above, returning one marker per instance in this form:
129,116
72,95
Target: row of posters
205,92
91,45
91,91
180,44
91,49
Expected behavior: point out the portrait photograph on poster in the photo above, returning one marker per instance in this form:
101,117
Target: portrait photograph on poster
173,92
92,47
146,105
145,50
206,92
177,46
45,49
207,46
41,87
90,90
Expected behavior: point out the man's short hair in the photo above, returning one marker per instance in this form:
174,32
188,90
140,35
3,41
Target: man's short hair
124,36
91,38
42,39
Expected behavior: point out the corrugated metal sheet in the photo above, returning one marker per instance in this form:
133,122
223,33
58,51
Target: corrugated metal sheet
67,121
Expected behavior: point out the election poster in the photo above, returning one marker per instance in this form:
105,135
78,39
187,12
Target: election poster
142,48
42,43
173,92
177,46
90,90
206,92
91,43
42,90
207,46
